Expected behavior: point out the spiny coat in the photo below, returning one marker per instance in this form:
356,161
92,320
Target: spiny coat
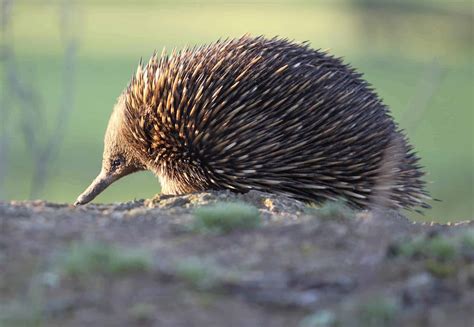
263,114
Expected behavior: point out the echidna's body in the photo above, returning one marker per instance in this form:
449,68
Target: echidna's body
261,114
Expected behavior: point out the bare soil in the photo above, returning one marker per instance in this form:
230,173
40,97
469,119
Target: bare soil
299,268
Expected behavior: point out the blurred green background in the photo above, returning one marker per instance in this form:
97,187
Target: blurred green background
76,57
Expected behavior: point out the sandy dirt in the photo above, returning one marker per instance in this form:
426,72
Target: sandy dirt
301,267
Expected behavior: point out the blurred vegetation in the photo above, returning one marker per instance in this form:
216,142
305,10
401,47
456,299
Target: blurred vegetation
83,259
442,256
335,210
417,54
197,273
226,217
379,311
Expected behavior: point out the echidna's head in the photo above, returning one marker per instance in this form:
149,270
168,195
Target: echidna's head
118,160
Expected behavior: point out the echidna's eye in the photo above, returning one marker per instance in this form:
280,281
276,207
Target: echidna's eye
115,163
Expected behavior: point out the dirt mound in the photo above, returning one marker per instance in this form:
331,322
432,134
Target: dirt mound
260,260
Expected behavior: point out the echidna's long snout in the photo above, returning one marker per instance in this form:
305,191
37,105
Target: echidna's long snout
100,183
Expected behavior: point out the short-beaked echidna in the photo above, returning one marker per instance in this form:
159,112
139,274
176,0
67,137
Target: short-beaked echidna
263,114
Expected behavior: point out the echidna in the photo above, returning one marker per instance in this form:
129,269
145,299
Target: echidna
262,114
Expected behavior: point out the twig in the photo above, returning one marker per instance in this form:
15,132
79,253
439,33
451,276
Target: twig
427,85
43,147
5,102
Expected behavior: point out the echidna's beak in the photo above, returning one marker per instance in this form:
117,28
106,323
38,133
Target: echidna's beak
100,183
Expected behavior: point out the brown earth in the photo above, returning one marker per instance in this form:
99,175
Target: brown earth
301,267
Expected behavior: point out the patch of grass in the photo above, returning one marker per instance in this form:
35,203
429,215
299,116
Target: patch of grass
19,314
441,248
322,318
142,312
334,210
438,248
225,217
378,312
25,310
442,256
83,259
440,269
467,239
199,274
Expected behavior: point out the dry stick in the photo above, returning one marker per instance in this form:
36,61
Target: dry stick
426,87
52,146
5,100
30,104
29,100
31,114
32,110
